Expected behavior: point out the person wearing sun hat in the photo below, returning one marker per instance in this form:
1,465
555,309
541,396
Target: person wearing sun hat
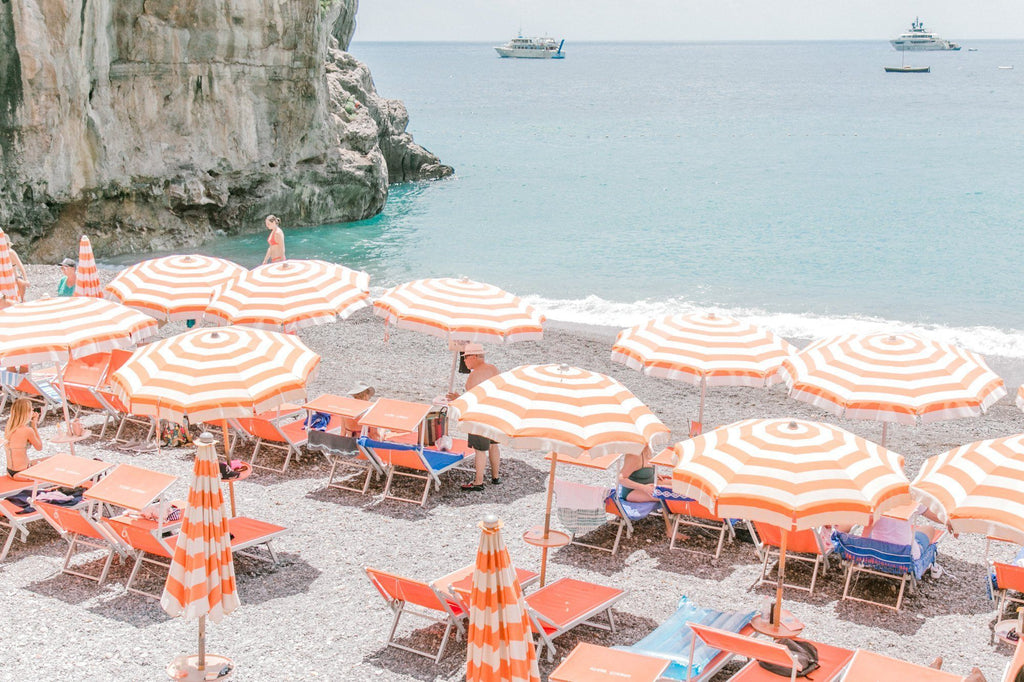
479,372
66,286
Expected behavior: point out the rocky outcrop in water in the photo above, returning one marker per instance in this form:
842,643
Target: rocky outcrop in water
155,124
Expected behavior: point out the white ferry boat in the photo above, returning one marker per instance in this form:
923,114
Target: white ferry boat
917,38
532,48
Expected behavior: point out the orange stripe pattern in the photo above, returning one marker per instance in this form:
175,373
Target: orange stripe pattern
8,280
52,329
721,350
977,487
558,408
173,287
87,278
790,473
900,378
290,295
201,582
460,310
214,374
500,640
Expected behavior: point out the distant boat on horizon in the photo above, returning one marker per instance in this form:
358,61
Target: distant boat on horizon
917,38
908,69
532,48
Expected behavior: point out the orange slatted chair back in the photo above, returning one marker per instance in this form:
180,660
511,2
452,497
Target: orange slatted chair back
799,541
762,650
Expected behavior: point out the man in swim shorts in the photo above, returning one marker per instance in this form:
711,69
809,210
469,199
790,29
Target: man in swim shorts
479,372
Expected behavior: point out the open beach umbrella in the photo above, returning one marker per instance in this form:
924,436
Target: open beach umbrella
792,474
499,639
173,287
562,409
201,581
976,488
54,330
899,378
703,349
87,277
461,311
8,280
290,295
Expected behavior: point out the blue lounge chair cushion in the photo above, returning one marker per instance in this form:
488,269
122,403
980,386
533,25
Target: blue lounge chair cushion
886,557
673,638
437,460
634,510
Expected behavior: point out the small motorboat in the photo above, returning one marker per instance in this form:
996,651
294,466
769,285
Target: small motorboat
908,69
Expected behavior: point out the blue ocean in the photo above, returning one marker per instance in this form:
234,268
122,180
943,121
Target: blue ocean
795,184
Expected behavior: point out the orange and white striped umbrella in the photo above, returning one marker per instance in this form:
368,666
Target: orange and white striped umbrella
87,277
558,408
215,374
976,488
900,378
8,280
173,287
290,295
460,310
54,329
500,639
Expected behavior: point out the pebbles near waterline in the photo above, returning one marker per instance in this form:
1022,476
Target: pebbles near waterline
317,616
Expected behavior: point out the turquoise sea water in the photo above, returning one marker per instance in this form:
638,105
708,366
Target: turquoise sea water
794,183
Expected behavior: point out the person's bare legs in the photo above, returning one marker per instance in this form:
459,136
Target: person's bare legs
480,464
495,455
937,663
22,286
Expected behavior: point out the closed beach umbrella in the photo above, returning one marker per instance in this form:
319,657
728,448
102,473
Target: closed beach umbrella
500,639
201,581
563,409
703,349
976,488
790,473
899,378
290,295
87,277
8,280
173,287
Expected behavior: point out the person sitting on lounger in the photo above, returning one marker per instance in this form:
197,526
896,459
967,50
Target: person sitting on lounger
637,478
22,430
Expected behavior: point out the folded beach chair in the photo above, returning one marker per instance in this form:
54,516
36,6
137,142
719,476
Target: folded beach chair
401,456
831,659
673,640
807,546
276,432
687,512
887,560
346,459
406,596
80,529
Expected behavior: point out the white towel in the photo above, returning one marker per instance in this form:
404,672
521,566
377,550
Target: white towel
579,495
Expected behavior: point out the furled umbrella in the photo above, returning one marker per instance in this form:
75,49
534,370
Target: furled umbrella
8,279
792,474
460,311
290,295
704,350
500,639
562,409
976,488
87,277
899,378
54,330
201,581
173,287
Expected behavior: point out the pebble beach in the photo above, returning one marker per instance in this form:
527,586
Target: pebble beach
316,616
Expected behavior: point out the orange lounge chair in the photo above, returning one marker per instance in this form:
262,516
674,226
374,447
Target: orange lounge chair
346,459
117,411
566,603
272,431
82,376
79,528
421,600
1015,665
691,513
867,666
15,524
593,663
1009,578
831,659
802,545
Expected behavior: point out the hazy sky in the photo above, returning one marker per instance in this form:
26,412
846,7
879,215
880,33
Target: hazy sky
685,20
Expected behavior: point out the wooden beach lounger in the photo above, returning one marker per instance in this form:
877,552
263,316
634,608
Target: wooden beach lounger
277,431
560,606
688,512
80,529
409,460
885,560
831,659
802,545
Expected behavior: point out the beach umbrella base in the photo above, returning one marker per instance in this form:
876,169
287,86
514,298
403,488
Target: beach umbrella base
187,668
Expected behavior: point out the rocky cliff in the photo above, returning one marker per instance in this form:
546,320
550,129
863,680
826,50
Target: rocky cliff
152,124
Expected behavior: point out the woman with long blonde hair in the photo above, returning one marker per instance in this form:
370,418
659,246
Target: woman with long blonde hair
22,429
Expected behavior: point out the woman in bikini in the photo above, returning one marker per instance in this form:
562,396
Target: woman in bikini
22,430
637,478
275,240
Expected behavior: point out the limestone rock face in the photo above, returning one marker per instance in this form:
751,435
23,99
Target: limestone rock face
154,124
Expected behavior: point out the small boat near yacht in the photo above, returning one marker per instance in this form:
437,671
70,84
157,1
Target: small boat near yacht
908,69
532,48
917,38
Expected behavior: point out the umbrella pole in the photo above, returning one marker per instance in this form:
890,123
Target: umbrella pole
777,616
64,400
700,411
201,664
231,481
547,518
451,375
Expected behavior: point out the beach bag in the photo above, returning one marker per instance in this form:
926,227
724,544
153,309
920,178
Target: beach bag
435,425
317,421
805,653
174,436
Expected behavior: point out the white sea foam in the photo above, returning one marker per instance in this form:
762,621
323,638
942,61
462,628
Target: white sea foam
594,310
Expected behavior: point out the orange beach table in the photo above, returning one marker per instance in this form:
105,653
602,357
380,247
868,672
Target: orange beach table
593,663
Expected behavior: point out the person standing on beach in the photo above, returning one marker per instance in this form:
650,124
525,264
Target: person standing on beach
479,372
66,285
275,240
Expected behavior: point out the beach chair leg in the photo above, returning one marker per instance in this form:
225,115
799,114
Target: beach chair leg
7,543
444,642
849,576
899,596
398,607
618,537
387,482
721,539
134,574
814,575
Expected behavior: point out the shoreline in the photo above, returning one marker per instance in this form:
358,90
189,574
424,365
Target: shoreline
333,534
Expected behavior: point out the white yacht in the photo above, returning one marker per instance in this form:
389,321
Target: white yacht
917,38
532,48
